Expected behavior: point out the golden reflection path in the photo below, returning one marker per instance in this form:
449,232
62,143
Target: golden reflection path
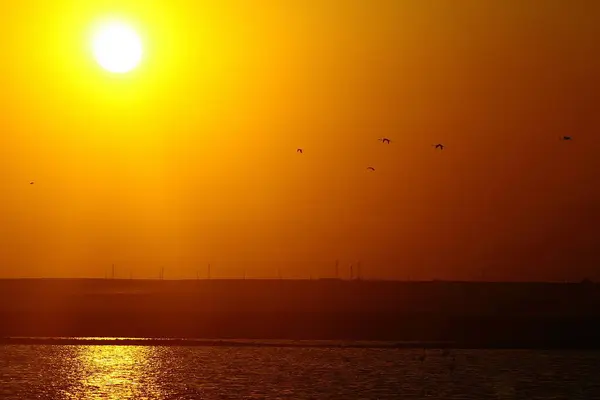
116,373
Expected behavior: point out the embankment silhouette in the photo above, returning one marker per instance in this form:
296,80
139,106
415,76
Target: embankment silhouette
468,314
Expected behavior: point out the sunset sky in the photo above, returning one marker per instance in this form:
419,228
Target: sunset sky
191,158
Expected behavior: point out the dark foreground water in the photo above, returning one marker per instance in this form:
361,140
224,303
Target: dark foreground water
180,372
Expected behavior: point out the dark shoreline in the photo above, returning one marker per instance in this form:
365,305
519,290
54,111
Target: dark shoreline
216,343
217,312
167,342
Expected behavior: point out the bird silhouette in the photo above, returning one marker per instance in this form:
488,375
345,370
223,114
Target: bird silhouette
452,365
384,140
566,138
31,183
439,146
300,151
371,168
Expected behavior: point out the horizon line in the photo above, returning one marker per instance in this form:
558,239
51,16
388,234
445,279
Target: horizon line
326,279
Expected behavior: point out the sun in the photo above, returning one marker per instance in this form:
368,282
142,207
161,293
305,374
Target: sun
117,47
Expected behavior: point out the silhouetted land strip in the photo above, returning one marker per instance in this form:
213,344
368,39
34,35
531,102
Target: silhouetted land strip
220,343
286,344
465,314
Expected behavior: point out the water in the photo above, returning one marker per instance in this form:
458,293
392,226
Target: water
180,372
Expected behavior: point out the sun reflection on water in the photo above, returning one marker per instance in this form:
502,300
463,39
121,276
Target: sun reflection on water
117,373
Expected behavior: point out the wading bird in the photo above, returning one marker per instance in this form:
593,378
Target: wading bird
452,365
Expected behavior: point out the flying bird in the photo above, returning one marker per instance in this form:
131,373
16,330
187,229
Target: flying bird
299,151
31,183
566,138
439,146
371,168
384,140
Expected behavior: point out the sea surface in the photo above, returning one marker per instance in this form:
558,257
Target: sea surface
75,371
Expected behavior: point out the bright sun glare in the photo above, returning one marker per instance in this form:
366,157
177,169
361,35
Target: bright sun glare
117,48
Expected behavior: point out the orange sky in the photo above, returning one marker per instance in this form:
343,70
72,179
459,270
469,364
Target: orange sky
191,158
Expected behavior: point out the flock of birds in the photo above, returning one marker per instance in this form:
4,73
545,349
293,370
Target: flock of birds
386,140
437,146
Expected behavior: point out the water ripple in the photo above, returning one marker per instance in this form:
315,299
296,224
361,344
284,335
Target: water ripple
158,372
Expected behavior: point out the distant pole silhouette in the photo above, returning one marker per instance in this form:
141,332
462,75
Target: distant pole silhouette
351,272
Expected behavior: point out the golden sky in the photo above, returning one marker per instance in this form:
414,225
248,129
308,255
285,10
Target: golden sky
191,158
